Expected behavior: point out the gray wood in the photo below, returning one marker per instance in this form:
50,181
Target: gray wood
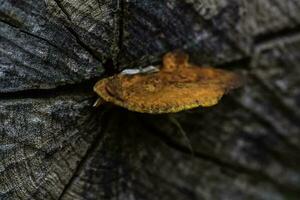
44,45
54,145
212,31
43,141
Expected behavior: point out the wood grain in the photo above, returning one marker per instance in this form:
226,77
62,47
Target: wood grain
41,47
54,145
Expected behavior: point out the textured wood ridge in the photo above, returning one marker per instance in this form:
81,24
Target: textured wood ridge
54,145
44,44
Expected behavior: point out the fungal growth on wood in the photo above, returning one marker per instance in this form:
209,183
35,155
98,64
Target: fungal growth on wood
176,86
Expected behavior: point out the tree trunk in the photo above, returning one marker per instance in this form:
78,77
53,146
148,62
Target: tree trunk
55,145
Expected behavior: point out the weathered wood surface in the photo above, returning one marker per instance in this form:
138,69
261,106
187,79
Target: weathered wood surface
42,47
54,145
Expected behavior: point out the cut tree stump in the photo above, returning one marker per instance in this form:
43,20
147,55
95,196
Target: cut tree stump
55,145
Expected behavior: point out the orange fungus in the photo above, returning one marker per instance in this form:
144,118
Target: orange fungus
176,86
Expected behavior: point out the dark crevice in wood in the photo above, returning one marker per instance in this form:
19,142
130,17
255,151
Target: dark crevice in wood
84,87
243,63
214,27
276,35
109,68
90,50
96,55
32,35
89,153
40,38
58,3
99,4
9,20
120,32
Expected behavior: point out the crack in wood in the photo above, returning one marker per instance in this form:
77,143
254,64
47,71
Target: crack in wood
276,35
100,137
10,20
59,4
89,49
120,26
84,87
9,23
242,63
96,55
41,38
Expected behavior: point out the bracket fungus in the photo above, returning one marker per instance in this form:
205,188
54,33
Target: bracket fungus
177,85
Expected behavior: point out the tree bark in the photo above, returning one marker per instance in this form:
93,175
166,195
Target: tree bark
55,145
